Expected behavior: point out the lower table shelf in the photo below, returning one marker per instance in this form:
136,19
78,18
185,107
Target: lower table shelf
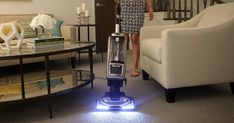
75,79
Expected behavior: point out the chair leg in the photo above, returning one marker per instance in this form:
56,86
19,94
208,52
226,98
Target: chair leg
170,95
232,86
145,75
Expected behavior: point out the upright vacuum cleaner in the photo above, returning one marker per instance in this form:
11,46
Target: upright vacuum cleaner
115,99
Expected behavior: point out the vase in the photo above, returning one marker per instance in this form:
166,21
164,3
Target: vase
43,33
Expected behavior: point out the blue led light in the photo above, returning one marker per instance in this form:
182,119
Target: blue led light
128,107
124,103
102,107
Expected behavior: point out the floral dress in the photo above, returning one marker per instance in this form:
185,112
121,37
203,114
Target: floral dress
132,15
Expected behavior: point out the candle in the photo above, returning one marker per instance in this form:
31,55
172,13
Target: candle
86,13
78,10
83,6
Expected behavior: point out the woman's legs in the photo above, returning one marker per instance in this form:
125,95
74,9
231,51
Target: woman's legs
135,53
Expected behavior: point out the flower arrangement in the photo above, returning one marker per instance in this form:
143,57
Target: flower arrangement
46,22
43,20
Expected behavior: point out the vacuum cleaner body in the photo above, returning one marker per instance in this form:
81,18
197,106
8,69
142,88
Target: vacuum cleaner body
116,67
116,56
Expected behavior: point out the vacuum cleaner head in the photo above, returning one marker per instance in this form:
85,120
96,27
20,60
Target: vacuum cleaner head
123,102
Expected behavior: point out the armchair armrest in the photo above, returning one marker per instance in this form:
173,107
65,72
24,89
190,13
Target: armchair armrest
156,31
208,51
68,32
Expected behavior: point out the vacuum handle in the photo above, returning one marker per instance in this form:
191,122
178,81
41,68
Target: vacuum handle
118,18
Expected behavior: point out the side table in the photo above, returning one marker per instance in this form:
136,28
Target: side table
88,26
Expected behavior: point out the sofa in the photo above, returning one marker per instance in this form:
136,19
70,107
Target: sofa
67,32
193,53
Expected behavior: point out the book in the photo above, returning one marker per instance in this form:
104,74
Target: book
40,40
45,48
35,42
44,43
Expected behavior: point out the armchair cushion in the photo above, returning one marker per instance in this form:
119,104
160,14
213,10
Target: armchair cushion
68,32
216,15
152,44
28,30
156,31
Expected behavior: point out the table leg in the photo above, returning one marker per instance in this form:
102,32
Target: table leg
99,28
22,78
102,57
79,57
91,63
47,69
78,33
73,62
88,33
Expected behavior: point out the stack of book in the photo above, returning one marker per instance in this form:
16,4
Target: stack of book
45,43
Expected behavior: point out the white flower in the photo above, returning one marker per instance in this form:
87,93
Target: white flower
46,21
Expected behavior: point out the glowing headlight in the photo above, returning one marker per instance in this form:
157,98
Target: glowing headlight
128,107
102,107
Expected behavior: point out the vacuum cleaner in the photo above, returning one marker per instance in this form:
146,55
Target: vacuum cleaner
115,99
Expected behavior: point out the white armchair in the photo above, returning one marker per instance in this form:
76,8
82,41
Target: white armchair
197,52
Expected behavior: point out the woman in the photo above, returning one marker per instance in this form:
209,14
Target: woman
132,15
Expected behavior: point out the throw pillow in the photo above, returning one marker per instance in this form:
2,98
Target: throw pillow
28,30
57,31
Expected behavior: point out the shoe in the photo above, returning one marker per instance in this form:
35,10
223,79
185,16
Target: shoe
135,73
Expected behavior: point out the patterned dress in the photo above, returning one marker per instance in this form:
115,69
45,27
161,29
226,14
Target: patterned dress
132,15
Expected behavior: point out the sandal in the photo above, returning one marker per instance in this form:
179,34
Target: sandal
135,73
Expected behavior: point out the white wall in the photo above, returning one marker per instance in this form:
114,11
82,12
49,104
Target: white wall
62,9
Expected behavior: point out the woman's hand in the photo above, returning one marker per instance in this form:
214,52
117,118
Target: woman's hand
151,13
